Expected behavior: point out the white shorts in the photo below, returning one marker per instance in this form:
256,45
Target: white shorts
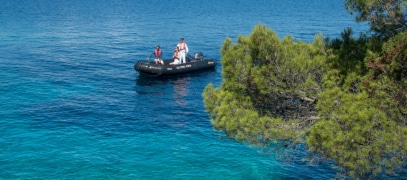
176,61
159,60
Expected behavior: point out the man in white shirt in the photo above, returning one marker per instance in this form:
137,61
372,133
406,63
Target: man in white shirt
183,50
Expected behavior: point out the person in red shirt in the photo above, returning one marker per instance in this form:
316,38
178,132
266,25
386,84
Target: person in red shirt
157,53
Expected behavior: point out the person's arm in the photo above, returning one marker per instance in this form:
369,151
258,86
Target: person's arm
148,58
186,48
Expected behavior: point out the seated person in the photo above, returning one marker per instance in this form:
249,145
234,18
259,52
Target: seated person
157,53
176,57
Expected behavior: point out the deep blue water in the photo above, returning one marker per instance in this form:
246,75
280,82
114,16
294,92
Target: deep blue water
72,106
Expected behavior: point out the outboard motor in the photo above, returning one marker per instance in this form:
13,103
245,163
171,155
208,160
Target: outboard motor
198,56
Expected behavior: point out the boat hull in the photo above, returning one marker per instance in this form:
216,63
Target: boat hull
152,69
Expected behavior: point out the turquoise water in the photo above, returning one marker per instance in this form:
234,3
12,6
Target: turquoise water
72,106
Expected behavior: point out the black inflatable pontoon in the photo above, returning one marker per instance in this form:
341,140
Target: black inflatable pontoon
193,64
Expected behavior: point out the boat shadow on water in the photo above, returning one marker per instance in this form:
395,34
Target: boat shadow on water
174,87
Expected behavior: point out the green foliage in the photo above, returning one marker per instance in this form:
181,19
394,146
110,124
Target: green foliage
267,84
345,99
234,115
350,53
282,71
356,132
388,74
386,17
363,125
392,62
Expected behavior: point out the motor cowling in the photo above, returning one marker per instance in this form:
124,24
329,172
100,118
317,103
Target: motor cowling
198,56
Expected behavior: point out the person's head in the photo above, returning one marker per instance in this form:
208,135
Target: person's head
181,39
176,49
157,47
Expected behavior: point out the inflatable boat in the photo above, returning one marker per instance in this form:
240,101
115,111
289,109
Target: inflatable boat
196,63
